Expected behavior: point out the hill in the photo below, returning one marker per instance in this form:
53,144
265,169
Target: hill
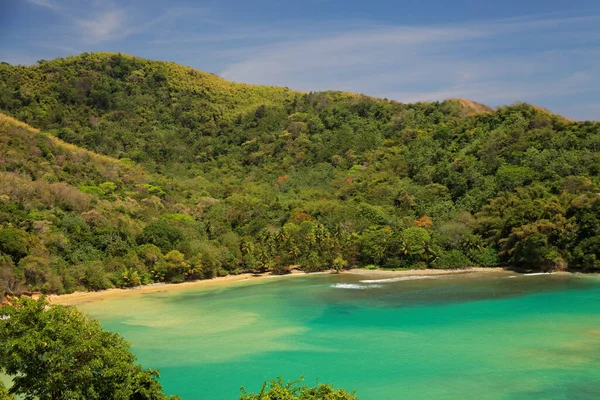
163,112
179,174
61,206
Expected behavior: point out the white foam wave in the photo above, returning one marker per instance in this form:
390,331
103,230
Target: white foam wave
400,279
538,273
354,286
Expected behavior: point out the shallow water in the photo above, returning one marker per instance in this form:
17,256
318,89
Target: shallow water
453,337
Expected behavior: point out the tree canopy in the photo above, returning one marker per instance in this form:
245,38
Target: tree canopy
278,389
56,352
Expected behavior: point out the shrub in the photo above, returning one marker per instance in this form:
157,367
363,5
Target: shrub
488,257
452,259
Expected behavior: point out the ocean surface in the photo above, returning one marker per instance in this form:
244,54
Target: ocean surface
486,336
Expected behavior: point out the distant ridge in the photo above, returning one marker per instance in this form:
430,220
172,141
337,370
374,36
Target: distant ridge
181,76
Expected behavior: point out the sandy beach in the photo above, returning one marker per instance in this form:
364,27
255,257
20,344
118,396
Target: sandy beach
84,297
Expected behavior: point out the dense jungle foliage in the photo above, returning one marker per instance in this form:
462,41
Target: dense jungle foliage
148,171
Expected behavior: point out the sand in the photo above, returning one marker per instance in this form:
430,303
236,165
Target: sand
84,297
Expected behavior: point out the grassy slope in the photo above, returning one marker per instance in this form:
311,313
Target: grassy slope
27,150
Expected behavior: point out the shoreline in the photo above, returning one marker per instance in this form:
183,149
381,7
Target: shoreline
384,273
76,298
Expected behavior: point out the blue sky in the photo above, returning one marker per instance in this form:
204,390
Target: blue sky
546,52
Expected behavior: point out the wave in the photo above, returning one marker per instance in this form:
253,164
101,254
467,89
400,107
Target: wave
538,273
354,286
400,279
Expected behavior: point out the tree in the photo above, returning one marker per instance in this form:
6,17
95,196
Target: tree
56,352
374,245
14,243
35,272
510,177
278,390
161,234
176,266
415,244
150,254
339,263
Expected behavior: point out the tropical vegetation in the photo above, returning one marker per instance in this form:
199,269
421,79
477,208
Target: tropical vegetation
277,389
141,171
56,352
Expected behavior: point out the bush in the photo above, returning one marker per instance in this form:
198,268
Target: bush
488,257
452,259
395,263
279,269
94,276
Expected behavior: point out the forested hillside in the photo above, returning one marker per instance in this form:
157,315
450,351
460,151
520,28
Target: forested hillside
148,171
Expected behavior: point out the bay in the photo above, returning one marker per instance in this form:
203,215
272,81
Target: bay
492,336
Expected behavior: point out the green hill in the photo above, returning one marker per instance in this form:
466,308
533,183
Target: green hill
149,171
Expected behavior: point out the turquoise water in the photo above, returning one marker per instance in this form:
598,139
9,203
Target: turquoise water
459,337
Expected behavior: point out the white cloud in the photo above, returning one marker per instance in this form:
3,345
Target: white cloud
495,62
495,92
545,59
91,21
103,26
44,3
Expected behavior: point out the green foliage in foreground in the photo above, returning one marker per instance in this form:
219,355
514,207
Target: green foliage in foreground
148,172
280,390
4,392
56,352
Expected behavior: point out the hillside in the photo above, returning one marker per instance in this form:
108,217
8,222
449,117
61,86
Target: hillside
147,171
61,205
163,112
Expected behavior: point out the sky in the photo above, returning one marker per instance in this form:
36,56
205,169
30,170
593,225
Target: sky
544,52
